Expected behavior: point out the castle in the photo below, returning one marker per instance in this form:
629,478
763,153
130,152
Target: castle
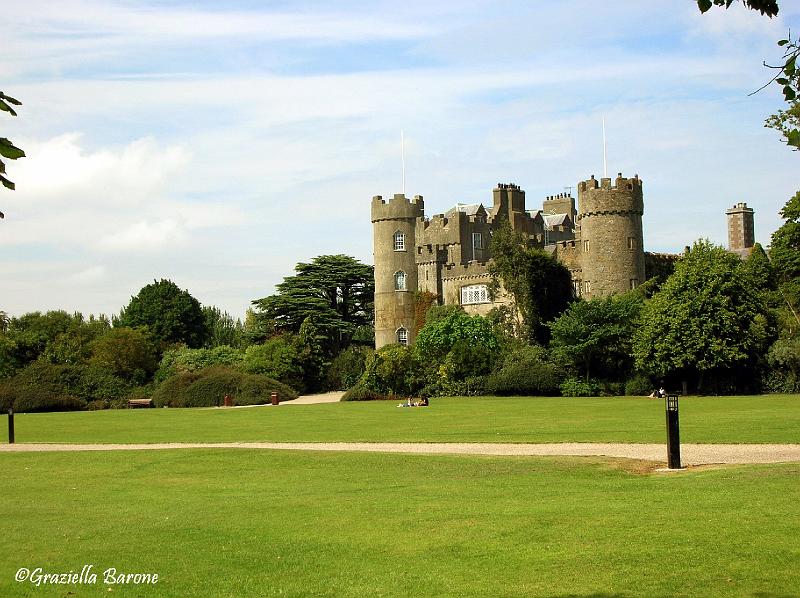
600,242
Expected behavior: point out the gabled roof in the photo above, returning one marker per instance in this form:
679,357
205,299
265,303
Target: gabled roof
551,220
470,209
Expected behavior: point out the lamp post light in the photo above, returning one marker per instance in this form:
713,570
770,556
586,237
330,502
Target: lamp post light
673,433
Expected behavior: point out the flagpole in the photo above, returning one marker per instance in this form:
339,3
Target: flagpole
605,159
403,158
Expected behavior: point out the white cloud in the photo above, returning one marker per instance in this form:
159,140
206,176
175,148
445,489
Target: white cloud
145,237
88,276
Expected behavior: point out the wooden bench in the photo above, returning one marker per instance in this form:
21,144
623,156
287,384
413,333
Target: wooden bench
134,403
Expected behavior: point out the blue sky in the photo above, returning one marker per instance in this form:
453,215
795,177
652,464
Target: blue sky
219,143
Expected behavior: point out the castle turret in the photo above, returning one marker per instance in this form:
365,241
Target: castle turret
394,243
741,233
611,242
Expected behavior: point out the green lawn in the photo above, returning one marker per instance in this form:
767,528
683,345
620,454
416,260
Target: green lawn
752,419
252,523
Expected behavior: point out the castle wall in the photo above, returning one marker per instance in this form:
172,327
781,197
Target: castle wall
394,309
741,232
611,238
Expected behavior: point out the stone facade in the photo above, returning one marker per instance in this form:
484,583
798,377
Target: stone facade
601,244
741,232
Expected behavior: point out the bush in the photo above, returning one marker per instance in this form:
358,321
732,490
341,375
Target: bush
525,371
98,405
182,359
86,382
609,388
392,370
359,392
347,368
639,386
572,387
29,399
471,386
277,358
207,388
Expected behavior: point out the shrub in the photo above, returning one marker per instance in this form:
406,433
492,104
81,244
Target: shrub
471,386
85,382
525,371
29,399
98,405
277,358
610,388
572,387
347,367
639,386
392,371
207,387
182,359
359,392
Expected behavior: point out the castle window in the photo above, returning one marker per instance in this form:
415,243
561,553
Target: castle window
634,283
586,246
400,281
402,336
399,241
631,243
576,287
475,293
587,287
477,241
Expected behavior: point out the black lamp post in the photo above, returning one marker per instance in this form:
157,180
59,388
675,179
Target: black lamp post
10,425
673,433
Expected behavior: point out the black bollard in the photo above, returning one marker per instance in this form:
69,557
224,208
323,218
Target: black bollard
10,425
673,433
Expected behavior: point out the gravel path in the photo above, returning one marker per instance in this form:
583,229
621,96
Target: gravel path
691,454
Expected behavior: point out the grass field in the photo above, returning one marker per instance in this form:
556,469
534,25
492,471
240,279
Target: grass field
752,419
254,523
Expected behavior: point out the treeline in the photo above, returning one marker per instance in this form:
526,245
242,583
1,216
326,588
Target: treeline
166,347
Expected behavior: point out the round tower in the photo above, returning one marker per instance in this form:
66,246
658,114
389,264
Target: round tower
611,242
394,243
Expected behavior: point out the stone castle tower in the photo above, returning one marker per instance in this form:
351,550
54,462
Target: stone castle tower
611,239
741,232
395,248
449,254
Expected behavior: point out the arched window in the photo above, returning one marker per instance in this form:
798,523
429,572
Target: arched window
402,336
399,281
399,241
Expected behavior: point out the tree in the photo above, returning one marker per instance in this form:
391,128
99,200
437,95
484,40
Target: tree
595,336
765,7
277,358
170,314
127,353
33,332
336,290
222,328
540,285
705,318
8,149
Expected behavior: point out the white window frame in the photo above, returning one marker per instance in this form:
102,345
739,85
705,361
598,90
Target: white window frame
400,281
399,240
402,336
475,294
477,241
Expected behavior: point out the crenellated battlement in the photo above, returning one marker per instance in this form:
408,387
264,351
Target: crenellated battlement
620,183
469,270
399,207
559,196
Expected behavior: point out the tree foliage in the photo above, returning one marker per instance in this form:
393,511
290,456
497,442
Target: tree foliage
169,313
222,328
336,290
595,336
127,353
7,148
705,317
540,285
765,7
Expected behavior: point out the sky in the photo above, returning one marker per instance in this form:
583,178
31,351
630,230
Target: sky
217,144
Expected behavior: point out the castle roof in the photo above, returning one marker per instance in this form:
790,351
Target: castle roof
551,220
470,209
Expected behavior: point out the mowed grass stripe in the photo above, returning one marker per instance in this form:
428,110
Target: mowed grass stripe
255,523
750,419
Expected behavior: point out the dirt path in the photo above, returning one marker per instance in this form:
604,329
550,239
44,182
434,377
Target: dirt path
691,454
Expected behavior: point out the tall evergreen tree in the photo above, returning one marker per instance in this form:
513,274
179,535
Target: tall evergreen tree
337,291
